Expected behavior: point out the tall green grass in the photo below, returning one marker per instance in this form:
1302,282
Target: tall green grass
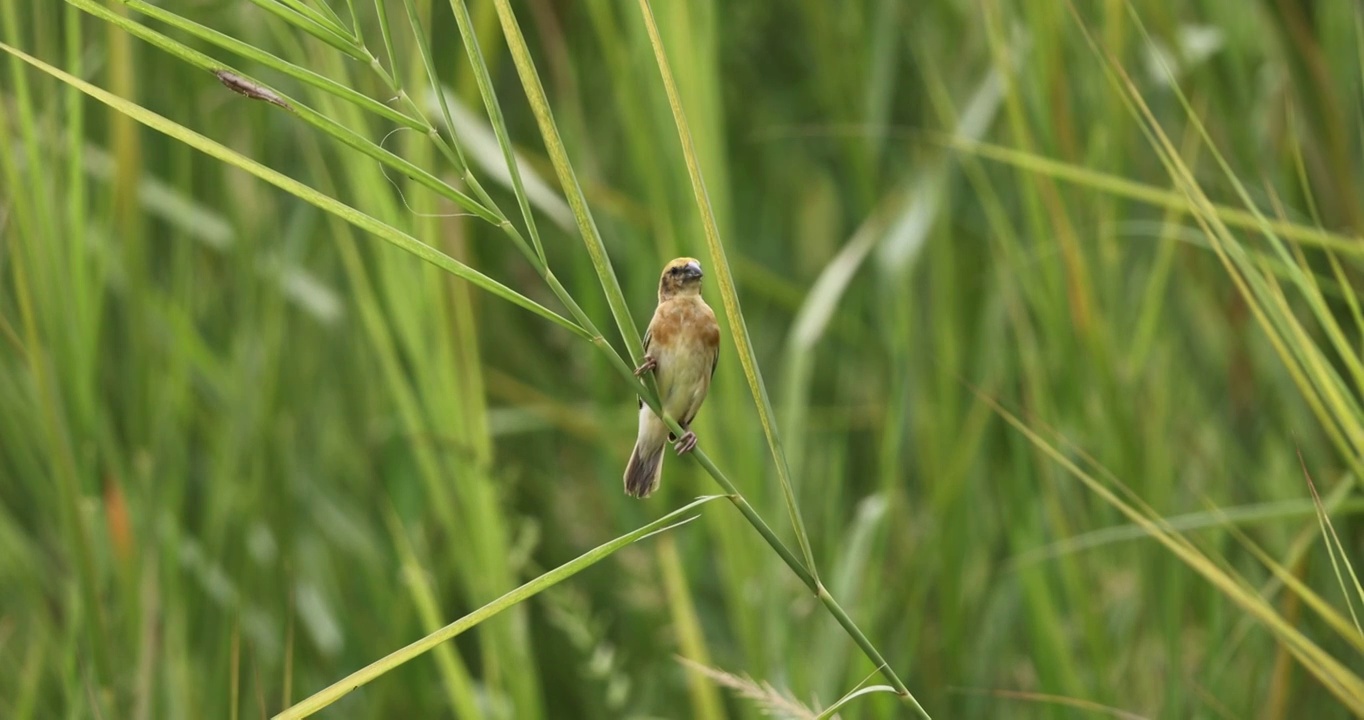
1039,396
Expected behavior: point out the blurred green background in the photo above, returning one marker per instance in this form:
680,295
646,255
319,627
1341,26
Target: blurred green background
246,449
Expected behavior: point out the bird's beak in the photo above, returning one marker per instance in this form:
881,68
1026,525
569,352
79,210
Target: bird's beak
694,269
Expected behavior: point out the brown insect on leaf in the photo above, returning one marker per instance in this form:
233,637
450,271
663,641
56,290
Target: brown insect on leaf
240,85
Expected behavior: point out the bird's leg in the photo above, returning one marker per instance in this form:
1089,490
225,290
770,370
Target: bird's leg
686,443
649,364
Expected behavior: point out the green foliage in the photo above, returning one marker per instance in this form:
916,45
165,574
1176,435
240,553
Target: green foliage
1041,336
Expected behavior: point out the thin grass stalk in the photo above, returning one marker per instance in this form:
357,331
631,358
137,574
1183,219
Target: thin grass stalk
357,27
424,51
728,293
1345,628
340,41
1333,675
533,252
1301,278
422,304
381,10
79,538
1249,514
740,332
317,17
648,390
1339,548
499,123
1329,383
1262,292
544,118
1147,194
454,152
336,19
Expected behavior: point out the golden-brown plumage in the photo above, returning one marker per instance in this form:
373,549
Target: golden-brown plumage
681,346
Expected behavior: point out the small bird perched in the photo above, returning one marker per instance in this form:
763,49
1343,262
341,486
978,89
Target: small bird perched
681,346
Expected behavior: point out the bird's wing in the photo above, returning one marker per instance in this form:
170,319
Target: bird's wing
714,361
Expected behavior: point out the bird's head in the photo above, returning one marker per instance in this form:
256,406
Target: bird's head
680,277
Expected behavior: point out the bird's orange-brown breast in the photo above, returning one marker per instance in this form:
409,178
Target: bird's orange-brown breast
684,342
684,320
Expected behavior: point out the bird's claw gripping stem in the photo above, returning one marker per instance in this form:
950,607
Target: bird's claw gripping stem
649,364
686,443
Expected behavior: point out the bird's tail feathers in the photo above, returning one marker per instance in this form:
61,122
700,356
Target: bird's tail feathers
644,469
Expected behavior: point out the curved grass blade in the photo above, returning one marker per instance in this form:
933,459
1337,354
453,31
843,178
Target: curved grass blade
1250,514
429,66
336,20
1333,675
305,113
1148,194
1333,386
601,261
317,17
829,712
340,41
246,50
339,689
365,222
499,123
577,201
1326,393
1346,628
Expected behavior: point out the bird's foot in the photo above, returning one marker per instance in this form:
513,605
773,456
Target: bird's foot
649,364
686,443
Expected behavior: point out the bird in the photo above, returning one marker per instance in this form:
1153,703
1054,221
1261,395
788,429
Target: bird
682,349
